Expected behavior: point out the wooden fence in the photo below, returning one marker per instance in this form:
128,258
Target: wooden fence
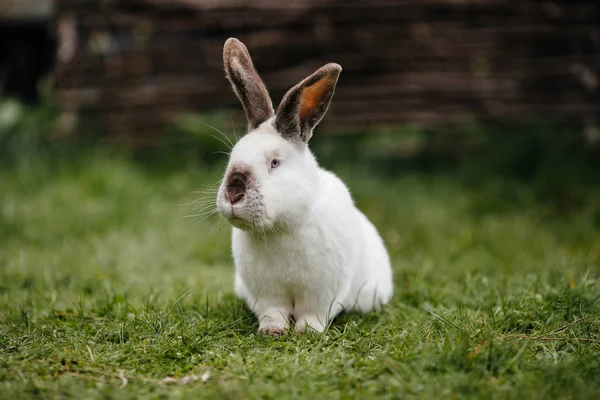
136,64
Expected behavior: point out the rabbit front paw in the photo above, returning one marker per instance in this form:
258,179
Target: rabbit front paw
273,330
311,322
274,322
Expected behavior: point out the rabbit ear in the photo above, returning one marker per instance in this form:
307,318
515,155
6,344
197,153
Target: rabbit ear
304,105
246,83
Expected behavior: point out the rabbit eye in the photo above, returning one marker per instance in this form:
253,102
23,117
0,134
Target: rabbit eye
275,163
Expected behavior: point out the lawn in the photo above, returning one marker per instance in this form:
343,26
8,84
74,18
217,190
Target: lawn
114,285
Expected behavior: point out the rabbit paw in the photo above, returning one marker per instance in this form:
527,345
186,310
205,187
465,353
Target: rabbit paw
273,330
274,322
311,323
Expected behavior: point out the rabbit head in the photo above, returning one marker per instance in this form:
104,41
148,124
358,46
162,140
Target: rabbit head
272,177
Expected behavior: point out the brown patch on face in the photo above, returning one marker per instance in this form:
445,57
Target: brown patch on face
237,182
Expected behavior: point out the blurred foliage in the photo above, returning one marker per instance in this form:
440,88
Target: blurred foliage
552,158
25,132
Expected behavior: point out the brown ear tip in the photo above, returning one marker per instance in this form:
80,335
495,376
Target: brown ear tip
231,40
332,69
335,66
231,44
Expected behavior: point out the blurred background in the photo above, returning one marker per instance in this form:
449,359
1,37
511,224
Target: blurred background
480,89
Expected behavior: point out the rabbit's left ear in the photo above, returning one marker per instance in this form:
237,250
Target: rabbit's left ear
304,105
246,83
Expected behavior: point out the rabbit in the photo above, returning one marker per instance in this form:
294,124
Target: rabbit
301,248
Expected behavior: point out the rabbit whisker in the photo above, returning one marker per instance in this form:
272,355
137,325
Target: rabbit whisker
224,135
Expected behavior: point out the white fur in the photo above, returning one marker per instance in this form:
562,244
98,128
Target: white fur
301,247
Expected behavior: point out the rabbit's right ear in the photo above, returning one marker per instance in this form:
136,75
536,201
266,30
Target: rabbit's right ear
246,83
304,105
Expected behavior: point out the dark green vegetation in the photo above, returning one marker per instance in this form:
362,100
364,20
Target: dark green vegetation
105,290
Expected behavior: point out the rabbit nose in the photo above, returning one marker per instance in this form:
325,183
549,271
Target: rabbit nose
236,187
234,197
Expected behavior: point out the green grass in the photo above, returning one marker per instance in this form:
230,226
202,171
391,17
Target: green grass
105,291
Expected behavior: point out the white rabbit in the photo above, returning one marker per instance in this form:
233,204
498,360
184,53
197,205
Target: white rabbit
301,248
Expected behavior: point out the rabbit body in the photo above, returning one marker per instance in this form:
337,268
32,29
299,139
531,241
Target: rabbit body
301,248
331,258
